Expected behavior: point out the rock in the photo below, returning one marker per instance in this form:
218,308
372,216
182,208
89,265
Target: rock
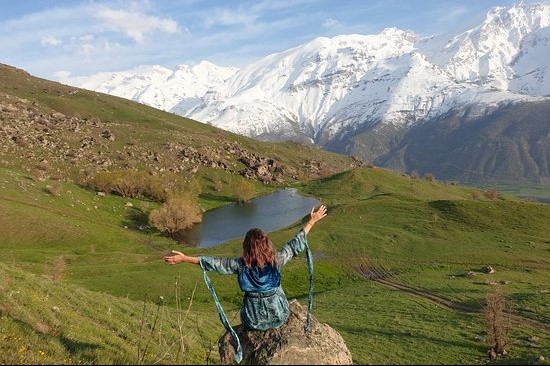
469,274
289,344
534,339
108,135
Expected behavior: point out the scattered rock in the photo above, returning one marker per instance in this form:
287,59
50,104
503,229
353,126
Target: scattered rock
469,274
534,339
488,269
108,135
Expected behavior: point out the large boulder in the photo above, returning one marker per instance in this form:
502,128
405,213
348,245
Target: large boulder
289,344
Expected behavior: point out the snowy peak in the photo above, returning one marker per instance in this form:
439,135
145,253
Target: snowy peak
485,54
331,86
157,86
296,89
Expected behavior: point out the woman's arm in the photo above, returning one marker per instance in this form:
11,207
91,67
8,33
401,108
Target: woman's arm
298,243
315,216
223,266
179,257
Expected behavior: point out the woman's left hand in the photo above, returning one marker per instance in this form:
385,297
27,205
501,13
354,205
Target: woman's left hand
319,214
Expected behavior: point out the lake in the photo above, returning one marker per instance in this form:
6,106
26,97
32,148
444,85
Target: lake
269,213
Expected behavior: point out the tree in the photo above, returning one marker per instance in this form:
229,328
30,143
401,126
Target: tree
243,190
177,213
498,323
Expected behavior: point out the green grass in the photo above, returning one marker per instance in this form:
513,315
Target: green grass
427,235
533,192
77,269
52,322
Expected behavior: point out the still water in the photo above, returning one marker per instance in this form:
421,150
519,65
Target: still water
269,213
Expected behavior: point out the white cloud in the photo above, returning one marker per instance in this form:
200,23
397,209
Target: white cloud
62,75
229,17
453,14
86,38
50,41
250,14
86,50
134,24
330,22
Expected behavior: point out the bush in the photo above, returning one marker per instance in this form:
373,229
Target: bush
126,183
243,190
498,323
177,213
55,188
58,267
129,184
491,194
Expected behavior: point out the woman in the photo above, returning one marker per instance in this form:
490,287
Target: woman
265,305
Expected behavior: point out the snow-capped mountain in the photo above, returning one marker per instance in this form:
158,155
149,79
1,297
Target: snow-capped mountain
177,90
336,91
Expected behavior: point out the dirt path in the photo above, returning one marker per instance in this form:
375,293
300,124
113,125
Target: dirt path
516,319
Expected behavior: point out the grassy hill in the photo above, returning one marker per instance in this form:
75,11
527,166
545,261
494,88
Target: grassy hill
398,261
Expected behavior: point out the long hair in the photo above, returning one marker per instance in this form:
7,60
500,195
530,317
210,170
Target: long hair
258,250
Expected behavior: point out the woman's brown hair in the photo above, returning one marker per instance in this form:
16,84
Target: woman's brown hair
258,249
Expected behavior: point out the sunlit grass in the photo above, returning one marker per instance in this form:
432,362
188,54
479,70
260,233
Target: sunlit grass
82,276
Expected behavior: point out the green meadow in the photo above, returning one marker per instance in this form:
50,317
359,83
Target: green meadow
429,239
398,261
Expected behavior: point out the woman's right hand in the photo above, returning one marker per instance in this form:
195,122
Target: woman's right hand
175,258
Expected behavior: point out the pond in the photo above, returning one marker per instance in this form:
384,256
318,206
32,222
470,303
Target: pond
269,213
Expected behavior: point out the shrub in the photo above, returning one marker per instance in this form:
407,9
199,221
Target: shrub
55,188
43,165
217,183
491,194
58,266
129,184
177,213
243,190
498,323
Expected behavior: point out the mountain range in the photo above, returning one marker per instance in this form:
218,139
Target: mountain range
470,106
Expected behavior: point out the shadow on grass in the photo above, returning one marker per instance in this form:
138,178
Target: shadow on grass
82,350
448,208
472,305
213,197
394,337
379,195
136,219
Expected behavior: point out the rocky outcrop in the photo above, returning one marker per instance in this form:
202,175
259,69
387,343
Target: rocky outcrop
289,344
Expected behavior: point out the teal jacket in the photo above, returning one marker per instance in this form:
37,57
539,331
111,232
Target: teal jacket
265,305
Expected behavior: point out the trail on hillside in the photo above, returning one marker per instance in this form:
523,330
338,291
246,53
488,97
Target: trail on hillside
383,276
515,318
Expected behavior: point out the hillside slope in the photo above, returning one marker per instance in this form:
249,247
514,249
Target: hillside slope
398,259
80,132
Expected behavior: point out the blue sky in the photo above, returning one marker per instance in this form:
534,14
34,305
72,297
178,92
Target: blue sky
50,38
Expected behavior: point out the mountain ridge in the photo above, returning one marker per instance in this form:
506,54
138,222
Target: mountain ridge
331,91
